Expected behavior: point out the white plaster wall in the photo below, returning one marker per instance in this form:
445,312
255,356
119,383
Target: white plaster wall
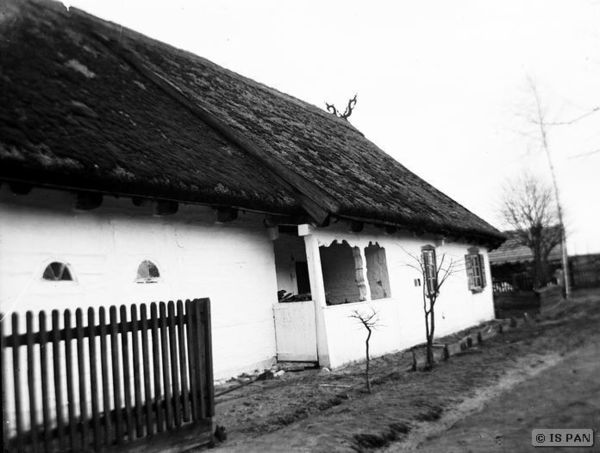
402,322
233,264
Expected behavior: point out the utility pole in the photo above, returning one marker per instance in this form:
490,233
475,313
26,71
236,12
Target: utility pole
543,134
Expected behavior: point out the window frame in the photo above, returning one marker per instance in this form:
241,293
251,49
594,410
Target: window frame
149,278
64,267
475,268
430,275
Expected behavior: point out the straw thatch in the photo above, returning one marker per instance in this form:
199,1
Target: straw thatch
91,105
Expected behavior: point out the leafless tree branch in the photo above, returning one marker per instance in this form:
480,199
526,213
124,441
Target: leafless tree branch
574,120
576,156
527,205
349,108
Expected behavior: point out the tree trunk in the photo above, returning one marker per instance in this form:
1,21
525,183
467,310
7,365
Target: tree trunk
368,360
430,333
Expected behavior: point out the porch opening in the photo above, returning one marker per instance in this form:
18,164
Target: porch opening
294,315
342,268
293,283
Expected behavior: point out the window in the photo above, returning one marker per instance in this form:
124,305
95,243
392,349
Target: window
57,272
430,269
147,272
475,266
377,272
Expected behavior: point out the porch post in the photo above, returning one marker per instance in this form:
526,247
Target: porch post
360,265
317,289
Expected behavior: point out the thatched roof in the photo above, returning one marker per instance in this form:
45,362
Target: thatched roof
91,105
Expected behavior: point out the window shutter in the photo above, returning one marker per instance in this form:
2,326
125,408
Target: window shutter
482,264
469,267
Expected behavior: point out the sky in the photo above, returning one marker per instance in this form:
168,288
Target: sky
444,86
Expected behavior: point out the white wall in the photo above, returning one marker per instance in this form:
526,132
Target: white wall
402,322
232,263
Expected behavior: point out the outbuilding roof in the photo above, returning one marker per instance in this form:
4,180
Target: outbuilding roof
513,251
90,105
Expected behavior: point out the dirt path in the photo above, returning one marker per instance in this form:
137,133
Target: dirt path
316,412
559,393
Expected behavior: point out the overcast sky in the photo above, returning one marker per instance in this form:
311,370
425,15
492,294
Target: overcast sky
442,84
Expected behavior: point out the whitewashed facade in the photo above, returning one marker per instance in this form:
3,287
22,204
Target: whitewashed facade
230,263
240,266
341,338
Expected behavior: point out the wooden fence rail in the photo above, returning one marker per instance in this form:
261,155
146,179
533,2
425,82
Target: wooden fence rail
106,381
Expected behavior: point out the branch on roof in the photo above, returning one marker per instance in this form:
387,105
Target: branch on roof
351,104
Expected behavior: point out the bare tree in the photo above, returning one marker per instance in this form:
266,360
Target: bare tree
538,118
434,275
370,322
527,205
351,104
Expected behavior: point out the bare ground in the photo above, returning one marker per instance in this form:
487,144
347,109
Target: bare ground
331,412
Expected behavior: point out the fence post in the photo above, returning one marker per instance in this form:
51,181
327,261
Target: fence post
208,358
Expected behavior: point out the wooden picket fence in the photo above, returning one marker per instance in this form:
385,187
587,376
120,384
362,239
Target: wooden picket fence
108,383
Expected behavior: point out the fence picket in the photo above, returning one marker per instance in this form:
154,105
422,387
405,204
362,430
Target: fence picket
3,394
44,371
116,381
69,368
58,393
33,428
136,372
165,367
178,391
183,363
156,362
126,373
174,365
146,366
17,382
94,378
81,377
105,377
